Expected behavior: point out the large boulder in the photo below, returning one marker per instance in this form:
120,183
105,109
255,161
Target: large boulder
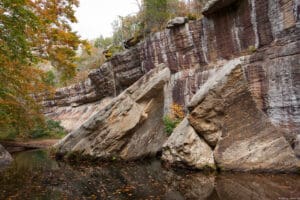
248,140
5,157
184,148
128,128
207,118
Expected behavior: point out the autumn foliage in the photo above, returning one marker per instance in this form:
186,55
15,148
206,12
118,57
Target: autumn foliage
174,118
32,31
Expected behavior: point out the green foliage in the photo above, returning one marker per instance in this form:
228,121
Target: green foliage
155,14
112,50
152,16
102,42
174,118
116,49
191,16
86,62
170,124
49,78
32,31
125,28
52,129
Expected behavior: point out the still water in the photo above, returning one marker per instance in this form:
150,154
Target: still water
35,175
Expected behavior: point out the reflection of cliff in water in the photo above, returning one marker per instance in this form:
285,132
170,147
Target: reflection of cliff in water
34,174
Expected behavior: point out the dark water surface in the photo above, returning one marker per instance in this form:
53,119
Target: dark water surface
35,175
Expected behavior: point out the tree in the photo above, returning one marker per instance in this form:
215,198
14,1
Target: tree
30,31
155,14
102,42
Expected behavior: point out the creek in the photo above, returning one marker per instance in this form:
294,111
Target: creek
36,175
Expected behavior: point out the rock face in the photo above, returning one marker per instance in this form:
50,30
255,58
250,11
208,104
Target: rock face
273,75
207,118
5,157
73,117
247,140
200,57
191,50
128,128
184,148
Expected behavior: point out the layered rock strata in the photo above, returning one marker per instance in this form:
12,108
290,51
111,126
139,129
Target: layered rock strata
249,141
228,29
274,80
224,113
199,55
129,127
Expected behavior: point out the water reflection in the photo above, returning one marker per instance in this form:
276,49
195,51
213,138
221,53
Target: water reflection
34,175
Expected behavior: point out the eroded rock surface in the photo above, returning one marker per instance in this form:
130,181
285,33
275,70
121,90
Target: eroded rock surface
207,118
72,118
191,50
266,95
249,141
273,74
184,148
130,127
5,157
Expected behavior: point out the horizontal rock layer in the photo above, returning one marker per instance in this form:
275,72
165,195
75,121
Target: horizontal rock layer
225,115
274,80
191,50
198,56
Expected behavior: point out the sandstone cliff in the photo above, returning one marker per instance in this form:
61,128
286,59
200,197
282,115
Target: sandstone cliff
194,53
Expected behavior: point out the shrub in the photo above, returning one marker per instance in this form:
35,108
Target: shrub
191,16
52,129
177,111
172,120
49,78
170,124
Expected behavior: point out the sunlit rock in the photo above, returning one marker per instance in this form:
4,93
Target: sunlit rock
128,128
184,148
207,118
249,141
194,53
